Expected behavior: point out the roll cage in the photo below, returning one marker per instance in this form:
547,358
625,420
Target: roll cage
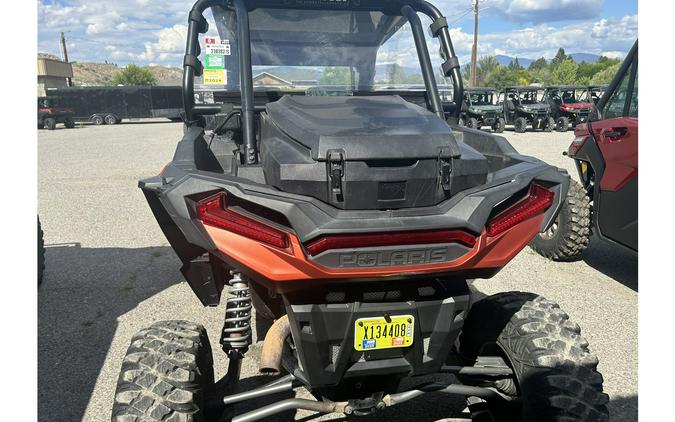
197,24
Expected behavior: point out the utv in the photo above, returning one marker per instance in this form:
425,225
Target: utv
49,114
523,106
479,109
568,105
605,150
353,226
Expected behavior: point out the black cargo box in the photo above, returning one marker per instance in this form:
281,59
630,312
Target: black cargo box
376,152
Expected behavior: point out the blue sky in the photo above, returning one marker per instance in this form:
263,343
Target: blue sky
152,32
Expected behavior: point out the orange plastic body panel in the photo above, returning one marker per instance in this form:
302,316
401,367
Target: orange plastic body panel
292,264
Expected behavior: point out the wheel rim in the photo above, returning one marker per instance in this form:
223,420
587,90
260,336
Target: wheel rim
551,232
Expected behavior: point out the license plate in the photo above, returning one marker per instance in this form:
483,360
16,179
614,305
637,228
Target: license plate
377,333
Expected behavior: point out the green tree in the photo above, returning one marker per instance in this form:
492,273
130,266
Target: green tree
560,57
134,75
485,65
336,76
396,74
539,64
501,77
605,76
515,64
565,73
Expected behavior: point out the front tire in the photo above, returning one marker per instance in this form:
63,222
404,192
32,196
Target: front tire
563,124
570,233
165,374
472,123
499,125
520,125
556,377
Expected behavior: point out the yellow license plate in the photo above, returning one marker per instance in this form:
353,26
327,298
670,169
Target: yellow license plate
378,333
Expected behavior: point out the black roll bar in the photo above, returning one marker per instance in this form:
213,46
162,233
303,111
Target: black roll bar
192,67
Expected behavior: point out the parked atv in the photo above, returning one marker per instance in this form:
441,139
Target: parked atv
568,105
479,109
605,151
524,106
50,114
352,225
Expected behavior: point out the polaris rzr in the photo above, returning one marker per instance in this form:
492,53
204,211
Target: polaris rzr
479,109
568,105
605,150
352,225
524,106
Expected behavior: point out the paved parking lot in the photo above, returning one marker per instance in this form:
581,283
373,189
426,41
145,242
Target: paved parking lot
110,271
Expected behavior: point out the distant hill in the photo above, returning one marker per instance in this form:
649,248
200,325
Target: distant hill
96,74
525,62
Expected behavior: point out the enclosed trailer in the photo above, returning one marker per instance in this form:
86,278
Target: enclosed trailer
110,105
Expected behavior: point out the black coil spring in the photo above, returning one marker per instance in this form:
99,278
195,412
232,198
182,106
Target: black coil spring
236,335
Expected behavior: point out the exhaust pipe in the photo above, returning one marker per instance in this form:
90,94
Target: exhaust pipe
273,346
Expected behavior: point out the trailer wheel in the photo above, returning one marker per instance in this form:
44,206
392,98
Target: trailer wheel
97,120
499,125
563,124
520,125
69,123
110,119
50,123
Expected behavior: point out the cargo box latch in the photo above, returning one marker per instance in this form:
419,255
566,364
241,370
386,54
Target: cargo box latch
336,173
445,168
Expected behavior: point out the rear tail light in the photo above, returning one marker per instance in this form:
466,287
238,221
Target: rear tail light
213,211
349,241
581,135
538,200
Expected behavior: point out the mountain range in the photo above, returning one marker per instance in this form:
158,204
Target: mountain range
525,62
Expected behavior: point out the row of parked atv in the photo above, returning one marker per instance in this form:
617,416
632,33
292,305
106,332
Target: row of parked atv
540,108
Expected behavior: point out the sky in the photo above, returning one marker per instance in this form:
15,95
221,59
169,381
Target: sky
151,32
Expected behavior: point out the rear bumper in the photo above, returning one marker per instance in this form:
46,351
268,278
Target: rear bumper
206,251
323,333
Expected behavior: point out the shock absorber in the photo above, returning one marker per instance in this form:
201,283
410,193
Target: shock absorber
236,335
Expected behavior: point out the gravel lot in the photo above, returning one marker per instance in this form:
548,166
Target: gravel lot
110,271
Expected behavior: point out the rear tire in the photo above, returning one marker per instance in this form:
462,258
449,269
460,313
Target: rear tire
472,123
50,123
41,253
69,123
563,124
110,119
165,374
499,125
97,120
556,377
549,124
570,233
520,125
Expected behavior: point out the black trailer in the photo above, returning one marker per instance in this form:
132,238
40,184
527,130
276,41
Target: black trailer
109,105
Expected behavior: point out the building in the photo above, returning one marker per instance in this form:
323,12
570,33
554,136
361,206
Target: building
268,79
52,73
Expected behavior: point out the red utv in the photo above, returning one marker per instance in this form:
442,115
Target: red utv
50,114
568,105
605,150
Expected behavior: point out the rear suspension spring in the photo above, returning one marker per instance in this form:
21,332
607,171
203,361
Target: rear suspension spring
236,335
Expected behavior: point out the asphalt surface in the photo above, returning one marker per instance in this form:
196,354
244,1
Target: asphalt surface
110,271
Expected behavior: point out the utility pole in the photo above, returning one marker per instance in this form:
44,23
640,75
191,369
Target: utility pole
69,82
474,50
